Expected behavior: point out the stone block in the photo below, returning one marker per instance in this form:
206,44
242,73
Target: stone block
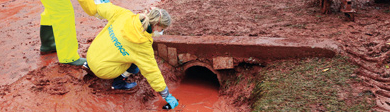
223,63
172,56
162,51
184,58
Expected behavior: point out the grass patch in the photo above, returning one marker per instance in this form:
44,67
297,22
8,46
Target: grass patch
335,34
309,85
299,26
319,16
387,11
260,17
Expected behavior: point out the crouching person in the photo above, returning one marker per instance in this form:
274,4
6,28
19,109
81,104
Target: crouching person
124,47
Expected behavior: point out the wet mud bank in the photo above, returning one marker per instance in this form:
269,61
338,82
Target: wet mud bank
52,88
74,89
365,41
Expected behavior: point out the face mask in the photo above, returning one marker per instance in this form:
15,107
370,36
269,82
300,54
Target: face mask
156,33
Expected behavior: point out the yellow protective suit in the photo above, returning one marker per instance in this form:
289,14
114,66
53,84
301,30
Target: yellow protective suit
122,42
88,6
60,15
45,18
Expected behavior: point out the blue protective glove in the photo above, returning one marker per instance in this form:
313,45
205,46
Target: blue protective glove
172,101
101,1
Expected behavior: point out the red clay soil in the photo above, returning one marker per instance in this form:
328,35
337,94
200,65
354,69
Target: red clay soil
366,40
33,82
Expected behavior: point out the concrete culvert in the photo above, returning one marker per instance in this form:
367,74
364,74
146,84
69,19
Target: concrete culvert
199,89
201,74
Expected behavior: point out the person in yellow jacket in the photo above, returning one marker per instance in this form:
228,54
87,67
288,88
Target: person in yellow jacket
58,31
124,47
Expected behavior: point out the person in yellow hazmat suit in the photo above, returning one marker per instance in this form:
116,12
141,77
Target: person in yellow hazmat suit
58,31
124,46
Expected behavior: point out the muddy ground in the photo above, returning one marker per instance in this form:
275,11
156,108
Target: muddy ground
366,40
33,82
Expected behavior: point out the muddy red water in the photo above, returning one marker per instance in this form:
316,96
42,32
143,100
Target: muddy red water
195,94
199,90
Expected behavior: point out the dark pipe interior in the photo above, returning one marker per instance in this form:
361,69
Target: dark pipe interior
382,1
202,74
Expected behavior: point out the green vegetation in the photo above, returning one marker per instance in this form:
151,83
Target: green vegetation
336,34
260,17
319,16
387,11
299,26
309,85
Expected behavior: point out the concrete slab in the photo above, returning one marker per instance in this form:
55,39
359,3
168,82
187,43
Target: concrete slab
262,48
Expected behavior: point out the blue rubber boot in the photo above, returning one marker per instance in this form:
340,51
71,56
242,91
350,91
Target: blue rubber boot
120,83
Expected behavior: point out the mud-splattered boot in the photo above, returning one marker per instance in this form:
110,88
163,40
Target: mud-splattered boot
120,83
78,62
48,44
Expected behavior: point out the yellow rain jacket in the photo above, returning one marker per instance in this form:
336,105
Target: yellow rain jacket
122,42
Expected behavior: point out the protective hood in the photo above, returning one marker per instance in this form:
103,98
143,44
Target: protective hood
134,32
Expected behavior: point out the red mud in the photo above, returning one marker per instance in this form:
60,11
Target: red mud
365,41
33,82
52,88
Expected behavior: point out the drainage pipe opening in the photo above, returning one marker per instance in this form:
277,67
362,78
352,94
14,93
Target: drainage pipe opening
199,89
201,75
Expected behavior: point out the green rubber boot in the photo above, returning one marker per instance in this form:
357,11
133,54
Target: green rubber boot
78,62
48,44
